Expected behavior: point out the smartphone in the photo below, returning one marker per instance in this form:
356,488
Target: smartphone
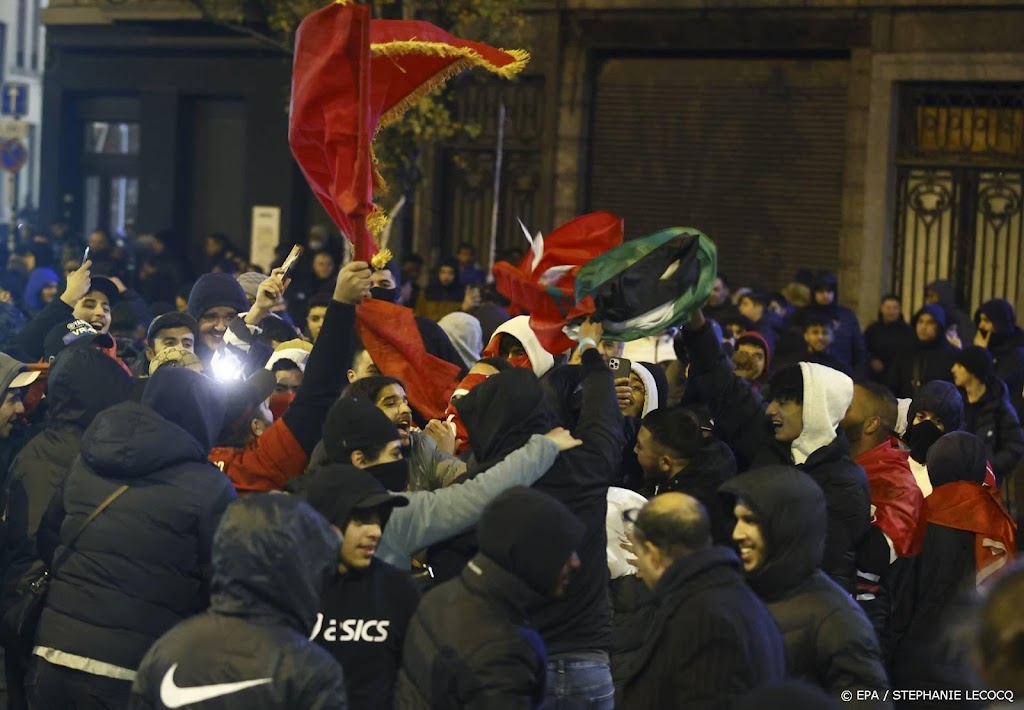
85,256
292,259
619,366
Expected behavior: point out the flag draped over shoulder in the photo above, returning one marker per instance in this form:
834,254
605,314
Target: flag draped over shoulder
352,75
649,284
391,337
544,282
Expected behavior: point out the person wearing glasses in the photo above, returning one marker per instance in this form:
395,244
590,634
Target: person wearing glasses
711,638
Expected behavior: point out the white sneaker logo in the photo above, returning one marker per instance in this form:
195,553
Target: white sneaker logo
175,697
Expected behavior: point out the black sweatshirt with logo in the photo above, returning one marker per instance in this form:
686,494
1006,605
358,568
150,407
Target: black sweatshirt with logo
364,615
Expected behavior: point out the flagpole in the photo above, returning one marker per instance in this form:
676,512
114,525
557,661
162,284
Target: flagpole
499,154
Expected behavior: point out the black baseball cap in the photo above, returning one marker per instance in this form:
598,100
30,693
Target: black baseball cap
337,490
172,320
73,332
105,286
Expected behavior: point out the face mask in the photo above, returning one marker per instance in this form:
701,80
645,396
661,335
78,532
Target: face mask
452,414
920,437
393,475
384,294
279,403
521,361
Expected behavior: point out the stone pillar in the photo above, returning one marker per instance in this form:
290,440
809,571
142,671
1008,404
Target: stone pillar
570,139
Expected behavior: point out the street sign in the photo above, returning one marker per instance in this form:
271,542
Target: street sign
14,99
10,128
13,155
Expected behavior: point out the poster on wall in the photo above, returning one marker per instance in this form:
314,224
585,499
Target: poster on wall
266,232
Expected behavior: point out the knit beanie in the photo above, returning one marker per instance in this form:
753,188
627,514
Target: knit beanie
214,290
353,424
977,361
250,282
531,535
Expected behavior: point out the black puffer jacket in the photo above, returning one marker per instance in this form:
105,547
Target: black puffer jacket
271,556
994,420
741,422
82,383
633,608
711,639
885,342
829,641
143,565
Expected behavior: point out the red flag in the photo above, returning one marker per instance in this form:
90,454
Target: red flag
544,283
390,335
352,75
896,497
964,505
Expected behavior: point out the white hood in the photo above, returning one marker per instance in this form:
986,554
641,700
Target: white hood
650,387
519,328
619,500
827,396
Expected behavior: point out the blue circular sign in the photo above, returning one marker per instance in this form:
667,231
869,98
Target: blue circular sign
13,155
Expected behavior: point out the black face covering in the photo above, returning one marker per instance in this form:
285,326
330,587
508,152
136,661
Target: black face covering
385,294
920,437
393,475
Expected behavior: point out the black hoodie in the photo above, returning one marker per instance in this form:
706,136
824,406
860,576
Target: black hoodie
83,381
1007,347
271,556
829,641
144,564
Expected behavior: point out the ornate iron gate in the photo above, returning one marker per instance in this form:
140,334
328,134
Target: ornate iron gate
960,188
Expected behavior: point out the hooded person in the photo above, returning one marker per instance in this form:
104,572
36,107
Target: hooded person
83,381
970,538
644,391
798,427
144,564
251,650
577,627
781,527
365,609
463,330
937,409
515,341
444,294
848,344
998,332
927,357
41,289
988,412
215,301
471,642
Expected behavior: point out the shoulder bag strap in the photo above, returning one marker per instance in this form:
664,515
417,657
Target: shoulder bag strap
92,516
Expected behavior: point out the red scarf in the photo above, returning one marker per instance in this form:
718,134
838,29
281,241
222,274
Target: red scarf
896,500
964,505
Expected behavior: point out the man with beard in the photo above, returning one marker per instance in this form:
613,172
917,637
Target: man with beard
897,505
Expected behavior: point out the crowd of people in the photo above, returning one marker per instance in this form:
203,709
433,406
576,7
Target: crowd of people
217,494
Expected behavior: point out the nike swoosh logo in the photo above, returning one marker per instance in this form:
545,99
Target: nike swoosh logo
174,696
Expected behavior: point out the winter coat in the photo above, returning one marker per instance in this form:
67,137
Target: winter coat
1008,358
144,564
37,280
701,479
921,362
82,382
741,422
885,342
994,420
470,646
431,468
270,558
712,640
829,641
363,619
632,602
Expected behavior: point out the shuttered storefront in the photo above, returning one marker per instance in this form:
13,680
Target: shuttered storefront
750,151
